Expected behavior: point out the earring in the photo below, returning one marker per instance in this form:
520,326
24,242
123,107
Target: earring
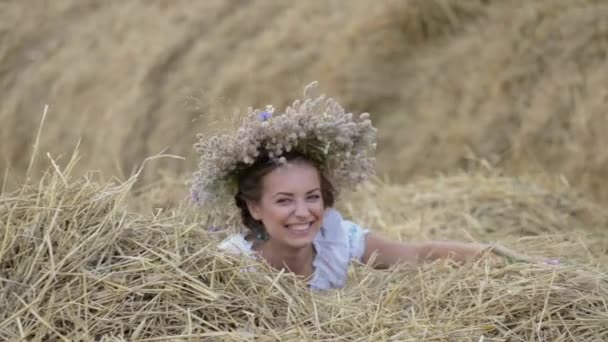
261,232
262,235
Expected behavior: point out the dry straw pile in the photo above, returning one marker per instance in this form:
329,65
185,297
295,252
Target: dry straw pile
76,264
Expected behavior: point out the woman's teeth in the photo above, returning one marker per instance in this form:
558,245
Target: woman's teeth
299,227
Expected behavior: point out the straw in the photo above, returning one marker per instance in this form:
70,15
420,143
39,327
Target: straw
76,264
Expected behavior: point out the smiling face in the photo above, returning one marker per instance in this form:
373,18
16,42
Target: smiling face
291,205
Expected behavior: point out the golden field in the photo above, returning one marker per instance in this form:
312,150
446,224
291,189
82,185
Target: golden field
491,117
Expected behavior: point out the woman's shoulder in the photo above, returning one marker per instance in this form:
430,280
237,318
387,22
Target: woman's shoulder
341,235
332,224
336,226
339,242
236,243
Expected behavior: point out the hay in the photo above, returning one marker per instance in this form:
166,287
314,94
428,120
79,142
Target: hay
77,265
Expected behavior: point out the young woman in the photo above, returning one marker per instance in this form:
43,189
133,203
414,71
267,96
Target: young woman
281,171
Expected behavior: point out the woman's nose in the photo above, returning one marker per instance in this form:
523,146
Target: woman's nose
301,209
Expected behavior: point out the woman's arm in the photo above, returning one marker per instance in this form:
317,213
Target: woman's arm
386,253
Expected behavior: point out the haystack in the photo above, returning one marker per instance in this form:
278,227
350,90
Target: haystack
77,265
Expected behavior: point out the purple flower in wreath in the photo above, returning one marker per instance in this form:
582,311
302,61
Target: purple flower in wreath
195,196
214,229
265,115
553,262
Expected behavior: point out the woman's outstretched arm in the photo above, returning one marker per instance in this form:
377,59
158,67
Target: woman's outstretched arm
385,253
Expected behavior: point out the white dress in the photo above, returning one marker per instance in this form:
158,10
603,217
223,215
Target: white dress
338,243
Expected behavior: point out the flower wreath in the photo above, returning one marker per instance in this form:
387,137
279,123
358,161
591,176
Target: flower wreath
317,127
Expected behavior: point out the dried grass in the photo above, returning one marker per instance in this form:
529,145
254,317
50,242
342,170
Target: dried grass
76,264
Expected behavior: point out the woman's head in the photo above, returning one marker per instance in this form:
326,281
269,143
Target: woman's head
285,201
317,126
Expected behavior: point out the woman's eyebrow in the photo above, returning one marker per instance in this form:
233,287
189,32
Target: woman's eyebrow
291,194
282,193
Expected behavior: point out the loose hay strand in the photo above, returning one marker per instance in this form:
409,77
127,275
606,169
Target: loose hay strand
37,141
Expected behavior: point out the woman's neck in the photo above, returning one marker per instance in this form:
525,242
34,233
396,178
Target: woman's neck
296,260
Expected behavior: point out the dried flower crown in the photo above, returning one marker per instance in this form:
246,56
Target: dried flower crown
317,127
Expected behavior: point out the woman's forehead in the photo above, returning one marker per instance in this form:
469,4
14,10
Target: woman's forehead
295,176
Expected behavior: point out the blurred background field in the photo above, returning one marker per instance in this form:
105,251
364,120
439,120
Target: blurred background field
491,114
520,84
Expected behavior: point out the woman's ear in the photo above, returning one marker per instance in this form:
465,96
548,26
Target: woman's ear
254,209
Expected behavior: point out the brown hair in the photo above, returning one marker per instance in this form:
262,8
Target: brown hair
250,189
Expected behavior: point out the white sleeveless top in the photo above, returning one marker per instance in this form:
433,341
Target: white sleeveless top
338,243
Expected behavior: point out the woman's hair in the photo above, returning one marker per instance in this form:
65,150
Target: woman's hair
250,189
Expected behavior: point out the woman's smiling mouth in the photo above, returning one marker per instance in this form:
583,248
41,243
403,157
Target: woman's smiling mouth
299,227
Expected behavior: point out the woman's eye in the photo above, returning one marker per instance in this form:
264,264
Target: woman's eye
314,197
283,200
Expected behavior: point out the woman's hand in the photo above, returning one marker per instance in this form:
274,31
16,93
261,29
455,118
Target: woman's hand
513,257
